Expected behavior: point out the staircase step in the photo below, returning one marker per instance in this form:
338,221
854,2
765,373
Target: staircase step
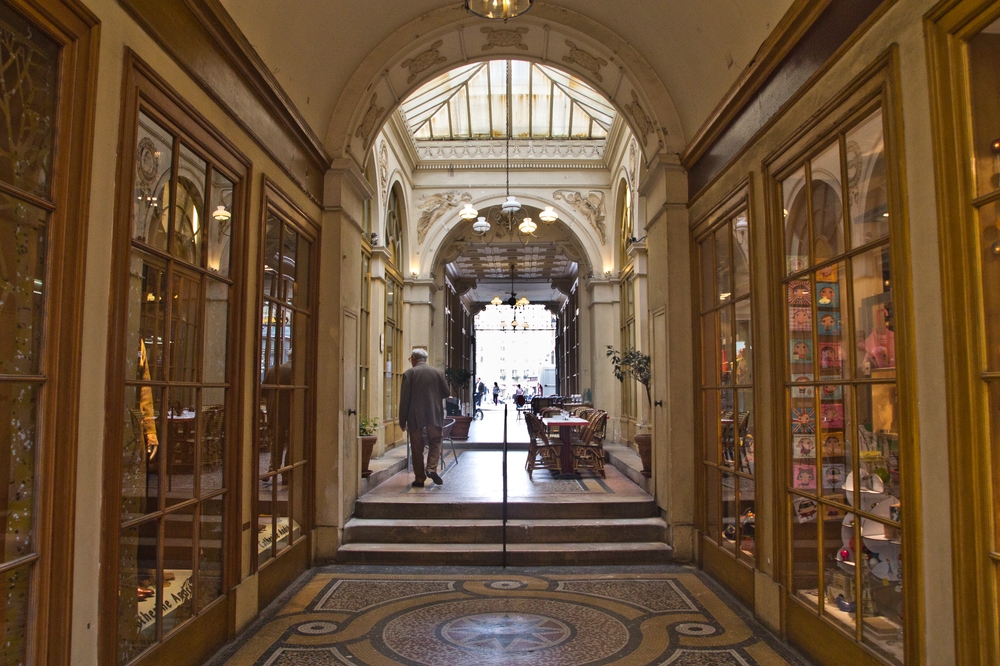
594,530
518,554
449,508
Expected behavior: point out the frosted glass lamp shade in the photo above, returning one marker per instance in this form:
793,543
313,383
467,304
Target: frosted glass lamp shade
498,9
511,205
468,212
480,226
548,216
527,226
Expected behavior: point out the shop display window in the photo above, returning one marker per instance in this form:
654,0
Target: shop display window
285,383
178,299
727,395
842,423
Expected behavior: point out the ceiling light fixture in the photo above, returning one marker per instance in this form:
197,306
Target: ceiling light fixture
499,10
221,214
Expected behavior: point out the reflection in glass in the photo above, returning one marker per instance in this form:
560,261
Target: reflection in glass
712,482
289,268
213,439
878,442
22,284
189,207
210,543
805,532
741,256
153,164
730,533
272,255
729,426
747,520
827,204
796,214
29,80
265,520
839,568
707,253
145,329
220,224
301,299
881,589
726,344
179,453
989,238
722,274
874,314
867,182
178,567
298,501
216,329
185,324
14,609
18,444
710,435
744,431
142,436
743,363
138,590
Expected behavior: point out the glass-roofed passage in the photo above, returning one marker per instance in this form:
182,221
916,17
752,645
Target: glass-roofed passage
470,102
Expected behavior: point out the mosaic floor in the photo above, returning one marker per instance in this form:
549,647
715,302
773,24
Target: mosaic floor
364,615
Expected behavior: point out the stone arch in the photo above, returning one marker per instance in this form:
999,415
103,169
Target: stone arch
448,37
402,259
433,251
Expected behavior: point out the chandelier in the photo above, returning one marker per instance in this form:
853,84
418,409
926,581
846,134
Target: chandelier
498,9
514,302
508,219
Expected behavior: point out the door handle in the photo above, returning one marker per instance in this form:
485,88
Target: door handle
658,403
352,412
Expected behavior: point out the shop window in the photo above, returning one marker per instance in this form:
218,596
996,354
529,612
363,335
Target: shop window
394,355
172,465
727,383
841,416
364,341
285,376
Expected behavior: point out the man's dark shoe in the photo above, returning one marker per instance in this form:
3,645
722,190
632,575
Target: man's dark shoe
435,478
417,484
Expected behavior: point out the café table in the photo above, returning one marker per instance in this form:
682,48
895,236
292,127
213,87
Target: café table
566,425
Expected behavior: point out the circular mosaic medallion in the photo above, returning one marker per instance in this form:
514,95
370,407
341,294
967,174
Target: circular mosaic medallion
695,629
506,585
514,632
506,632
317,628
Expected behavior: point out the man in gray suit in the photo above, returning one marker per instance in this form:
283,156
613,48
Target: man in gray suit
420,408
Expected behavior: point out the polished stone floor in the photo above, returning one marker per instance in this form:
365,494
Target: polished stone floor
632,616
489,429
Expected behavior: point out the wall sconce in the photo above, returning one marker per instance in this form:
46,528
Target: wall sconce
221,214
414,273
607,274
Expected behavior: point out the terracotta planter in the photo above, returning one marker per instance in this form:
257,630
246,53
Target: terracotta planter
367,444
644,441
461,428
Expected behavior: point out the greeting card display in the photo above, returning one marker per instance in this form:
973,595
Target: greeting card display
803,421
833,444
828,274
833,475
828,295
829,324
798,293
800,351
805,509
802,391
804,477
804,447
799,318
831,392
796,262
832,416
829,355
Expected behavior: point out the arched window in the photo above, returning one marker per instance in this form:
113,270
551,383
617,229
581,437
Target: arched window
626,278
624,223
394,228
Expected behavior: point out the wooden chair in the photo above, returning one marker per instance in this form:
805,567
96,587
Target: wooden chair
541,452
588,451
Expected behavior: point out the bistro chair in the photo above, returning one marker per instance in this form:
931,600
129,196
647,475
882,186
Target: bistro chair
541,451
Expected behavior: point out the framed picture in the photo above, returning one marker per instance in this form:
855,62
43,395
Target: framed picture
829,355
833,444
804,477
796,262
832,416
827,295
804,421
804,447
799,293
832,513
833,475
799,318
800,351
829,324
805,509
828,274
829,392
802,391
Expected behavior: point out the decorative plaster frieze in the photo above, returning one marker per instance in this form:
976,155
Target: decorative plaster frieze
590,206
487,149
425,60
436,205
504,38
588,61
367,123
642,122
383,169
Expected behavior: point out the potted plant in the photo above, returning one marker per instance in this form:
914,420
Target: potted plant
367,433
632,363
458,378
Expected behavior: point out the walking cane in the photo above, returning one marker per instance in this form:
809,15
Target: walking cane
407,450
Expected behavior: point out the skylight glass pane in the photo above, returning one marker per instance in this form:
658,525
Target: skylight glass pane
541,102
424,132
427,100
439,124
460,114
560,114
598,132
583,94
479,103
520,98
581,123
498,97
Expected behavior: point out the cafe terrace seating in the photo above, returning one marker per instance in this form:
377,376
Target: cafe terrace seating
541,451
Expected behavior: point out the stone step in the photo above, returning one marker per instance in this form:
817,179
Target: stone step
518,554
450,509
594,530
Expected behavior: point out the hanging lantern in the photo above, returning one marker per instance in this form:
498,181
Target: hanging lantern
468,212
527,226
480,226
498,9
548,216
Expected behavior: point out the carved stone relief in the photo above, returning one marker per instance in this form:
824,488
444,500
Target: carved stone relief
590,206
589,62
633,160
423,61
383,169
642,121
504,38
436,205
367,123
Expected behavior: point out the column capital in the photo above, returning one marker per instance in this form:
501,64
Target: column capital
639,254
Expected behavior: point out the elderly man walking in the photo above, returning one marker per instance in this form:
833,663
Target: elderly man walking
421,414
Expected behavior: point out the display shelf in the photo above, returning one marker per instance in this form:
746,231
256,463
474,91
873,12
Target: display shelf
175,593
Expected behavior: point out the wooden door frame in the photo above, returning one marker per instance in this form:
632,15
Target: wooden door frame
143,88
77,31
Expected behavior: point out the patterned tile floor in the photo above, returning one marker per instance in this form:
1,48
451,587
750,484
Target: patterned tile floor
632,616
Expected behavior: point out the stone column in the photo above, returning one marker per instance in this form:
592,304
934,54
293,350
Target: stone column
603,330
637,252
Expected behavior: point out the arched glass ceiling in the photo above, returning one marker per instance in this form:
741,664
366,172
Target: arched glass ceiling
469,102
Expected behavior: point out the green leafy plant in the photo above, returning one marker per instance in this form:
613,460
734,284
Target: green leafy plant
457,377
367,427
632,363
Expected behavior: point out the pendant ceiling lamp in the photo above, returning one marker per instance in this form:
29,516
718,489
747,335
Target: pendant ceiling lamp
500,10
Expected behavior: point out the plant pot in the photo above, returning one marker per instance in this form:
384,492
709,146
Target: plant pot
644,442
367,444
461,428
